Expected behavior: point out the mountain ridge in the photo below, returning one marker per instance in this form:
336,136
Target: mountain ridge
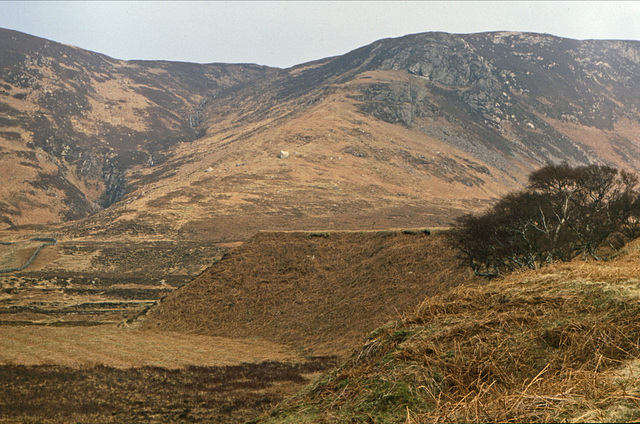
79,106
406,131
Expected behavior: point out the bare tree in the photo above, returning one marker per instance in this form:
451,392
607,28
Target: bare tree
562,213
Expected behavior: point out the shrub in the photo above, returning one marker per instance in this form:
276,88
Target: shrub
563,212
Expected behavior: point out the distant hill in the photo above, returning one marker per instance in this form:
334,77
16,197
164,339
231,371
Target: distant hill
404,132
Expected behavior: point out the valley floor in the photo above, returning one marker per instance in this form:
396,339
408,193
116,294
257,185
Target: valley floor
68,351
119,347
149,394
74,347
558,344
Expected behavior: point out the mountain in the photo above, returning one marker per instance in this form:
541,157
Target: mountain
73,123
404,132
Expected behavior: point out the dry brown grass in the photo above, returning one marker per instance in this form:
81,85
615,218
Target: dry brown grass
545,352
558,345
17,254
320,292
119,347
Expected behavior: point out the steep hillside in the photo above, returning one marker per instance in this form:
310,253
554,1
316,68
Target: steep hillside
404,132
554,345
317,292
73,123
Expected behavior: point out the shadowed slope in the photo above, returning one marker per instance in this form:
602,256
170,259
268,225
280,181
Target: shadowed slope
74,123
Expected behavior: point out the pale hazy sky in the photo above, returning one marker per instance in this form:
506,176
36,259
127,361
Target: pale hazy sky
286,33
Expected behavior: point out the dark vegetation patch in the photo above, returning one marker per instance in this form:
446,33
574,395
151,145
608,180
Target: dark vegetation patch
354,151
562,213
30,165
231,394
6,220
121,293
9,209
10,135
77,323
5,109
75,199
443,167
163,170
11,121
162,98
65,103
476,166
91,308
150,257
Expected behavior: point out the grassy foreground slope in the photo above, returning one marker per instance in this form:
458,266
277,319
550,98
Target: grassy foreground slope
561,344
318,292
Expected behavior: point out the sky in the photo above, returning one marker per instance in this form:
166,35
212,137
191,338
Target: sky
287,33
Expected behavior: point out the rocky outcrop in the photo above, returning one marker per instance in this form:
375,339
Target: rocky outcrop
584,81
502,87
115,183
395,102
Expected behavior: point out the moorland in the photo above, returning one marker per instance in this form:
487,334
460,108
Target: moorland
237,243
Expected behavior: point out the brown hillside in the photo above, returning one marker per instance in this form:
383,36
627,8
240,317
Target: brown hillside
404,132
73,123
319,292
558,344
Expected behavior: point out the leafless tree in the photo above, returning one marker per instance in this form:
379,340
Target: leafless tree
563,212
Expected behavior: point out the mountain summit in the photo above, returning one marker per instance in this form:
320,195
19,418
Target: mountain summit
404,132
